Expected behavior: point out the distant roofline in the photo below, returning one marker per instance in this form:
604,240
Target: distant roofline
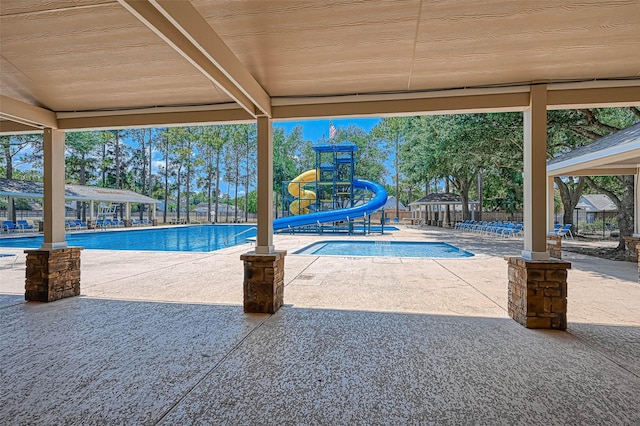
30,189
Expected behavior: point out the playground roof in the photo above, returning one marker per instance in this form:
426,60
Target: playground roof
338,147
28,189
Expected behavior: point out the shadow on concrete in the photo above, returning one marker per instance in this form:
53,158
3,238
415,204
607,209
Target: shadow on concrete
103,361
10,299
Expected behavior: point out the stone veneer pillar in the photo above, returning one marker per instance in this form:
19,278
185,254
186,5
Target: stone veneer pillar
263,281
538,292
632,246
52,274
554,246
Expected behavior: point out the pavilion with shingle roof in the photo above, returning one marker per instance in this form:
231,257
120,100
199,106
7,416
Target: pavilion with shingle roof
613,155
13,188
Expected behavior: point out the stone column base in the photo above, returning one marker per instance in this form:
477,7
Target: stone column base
52,274
554,246
128,223
263,281
154,222
538,292
632,247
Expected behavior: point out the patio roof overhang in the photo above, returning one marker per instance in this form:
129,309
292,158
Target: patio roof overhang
96,64
616,154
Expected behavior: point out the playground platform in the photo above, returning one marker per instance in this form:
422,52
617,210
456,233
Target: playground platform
161,339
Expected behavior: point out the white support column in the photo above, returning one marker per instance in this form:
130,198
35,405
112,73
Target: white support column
636,204
551,217
264,241
91,213
535,175
53,209
11,211
127,211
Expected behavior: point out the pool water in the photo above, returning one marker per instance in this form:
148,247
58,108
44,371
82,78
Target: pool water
200,238
432,250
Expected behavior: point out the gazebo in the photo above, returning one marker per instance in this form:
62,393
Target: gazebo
431,208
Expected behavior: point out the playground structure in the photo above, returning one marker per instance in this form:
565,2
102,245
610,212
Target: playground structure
329,198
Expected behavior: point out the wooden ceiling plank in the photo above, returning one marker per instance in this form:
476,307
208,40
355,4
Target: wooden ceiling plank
165,29
191,24
30,115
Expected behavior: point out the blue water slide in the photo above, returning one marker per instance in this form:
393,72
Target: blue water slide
379,199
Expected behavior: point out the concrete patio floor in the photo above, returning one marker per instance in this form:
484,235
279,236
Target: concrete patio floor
160,338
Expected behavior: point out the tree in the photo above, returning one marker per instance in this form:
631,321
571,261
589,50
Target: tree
250,162
80,164
210,143
460,147
234,154
620,190
287,157
390,131
18,150
181,155
142,140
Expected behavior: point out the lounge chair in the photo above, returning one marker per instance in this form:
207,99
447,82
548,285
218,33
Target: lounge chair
565,231
9,226
80,224
25,226
511,230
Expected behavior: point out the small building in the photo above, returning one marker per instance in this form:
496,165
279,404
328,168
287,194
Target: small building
597,205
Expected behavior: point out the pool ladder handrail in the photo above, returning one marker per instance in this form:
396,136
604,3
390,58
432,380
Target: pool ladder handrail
226,241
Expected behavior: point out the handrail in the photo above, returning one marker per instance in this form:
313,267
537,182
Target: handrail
239,233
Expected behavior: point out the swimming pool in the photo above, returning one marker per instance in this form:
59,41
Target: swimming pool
432,250
197,238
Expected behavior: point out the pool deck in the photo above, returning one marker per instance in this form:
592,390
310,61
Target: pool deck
160,338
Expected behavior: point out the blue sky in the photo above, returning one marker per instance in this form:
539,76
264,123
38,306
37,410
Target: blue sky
314,130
